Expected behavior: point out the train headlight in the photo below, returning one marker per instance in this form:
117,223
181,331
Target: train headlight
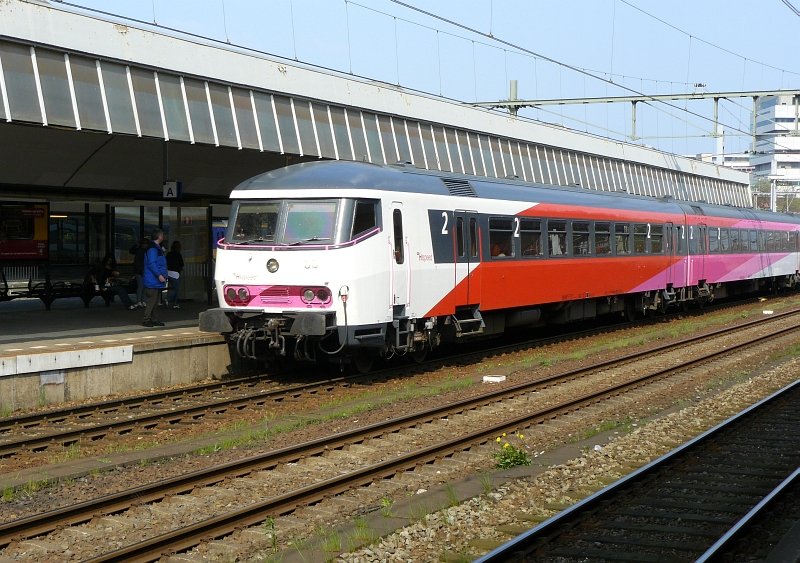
243,294
230,293
272,265
308,295
323,294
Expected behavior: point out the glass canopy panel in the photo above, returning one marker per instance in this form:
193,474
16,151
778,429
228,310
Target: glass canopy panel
427,144
357,135
144,90
245,118
373,138
23,99
477,159
486,152
526,162
340,134
320,114
118,97
463,147
505,150
55,88
223,116
416,144
174,108
197,100
452,148
266,122
283,109
87,93
497,157
308,141
441,149
387,139
401,139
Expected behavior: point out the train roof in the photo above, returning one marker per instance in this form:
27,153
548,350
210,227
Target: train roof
338,175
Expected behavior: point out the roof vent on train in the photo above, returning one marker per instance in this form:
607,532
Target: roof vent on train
457,186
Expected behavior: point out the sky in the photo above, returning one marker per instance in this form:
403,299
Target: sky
469,50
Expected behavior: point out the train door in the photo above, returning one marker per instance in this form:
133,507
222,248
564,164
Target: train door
697,253
467,256
669,250
401,273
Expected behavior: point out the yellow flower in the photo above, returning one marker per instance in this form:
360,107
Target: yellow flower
520,436
498,440
506,445
504,434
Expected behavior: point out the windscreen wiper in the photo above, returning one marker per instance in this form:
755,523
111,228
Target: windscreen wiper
303,241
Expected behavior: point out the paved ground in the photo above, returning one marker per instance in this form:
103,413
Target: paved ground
27,320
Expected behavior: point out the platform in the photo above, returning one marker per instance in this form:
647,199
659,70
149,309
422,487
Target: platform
75,353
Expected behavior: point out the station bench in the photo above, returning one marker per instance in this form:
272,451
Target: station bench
58,282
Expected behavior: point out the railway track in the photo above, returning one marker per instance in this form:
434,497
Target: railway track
90,424
390,460
700,502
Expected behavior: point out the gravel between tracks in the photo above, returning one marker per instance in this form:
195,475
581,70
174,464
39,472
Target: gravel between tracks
466,531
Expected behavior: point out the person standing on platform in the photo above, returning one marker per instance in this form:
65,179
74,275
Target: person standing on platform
174,269
138,251
155,277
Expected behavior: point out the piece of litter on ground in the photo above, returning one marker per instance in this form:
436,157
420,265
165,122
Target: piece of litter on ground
494,378
767,311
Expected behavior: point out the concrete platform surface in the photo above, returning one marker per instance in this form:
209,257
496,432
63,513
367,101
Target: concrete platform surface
27,320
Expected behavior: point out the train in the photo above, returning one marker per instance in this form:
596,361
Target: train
351,261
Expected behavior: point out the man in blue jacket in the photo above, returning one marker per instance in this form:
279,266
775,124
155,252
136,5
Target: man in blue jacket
155,277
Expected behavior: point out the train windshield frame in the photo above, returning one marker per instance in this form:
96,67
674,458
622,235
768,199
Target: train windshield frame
296,222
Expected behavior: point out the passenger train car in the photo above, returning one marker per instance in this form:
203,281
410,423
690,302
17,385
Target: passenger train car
349,261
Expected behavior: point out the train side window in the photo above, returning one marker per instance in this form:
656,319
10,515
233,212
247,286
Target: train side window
680,233
693,232
724,240
473,237
713,240
622,238
557,237
530,233
734,235
580,238
753,241
397,219
656,239
460,236
500,234
364,217
602,238
639,238
771,241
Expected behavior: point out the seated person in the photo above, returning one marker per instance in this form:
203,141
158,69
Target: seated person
105,277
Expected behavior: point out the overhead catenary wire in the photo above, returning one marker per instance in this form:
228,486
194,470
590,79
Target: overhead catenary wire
574,68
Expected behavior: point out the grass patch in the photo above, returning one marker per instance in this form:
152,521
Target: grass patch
452,497
623,426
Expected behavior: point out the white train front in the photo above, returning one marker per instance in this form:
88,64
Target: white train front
350,261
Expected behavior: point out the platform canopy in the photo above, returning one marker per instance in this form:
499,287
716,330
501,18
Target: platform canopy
91,103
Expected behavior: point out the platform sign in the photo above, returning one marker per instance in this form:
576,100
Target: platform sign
23,230
218,228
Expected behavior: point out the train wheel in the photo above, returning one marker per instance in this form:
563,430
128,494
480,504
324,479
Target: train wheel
419,355
361,362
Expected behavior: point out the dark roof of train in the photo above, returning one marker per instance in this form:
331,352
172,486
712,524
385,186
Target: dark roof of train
341,174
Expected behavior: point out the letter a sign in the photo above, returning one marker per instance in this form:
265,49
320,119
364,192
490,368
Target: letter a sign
172,190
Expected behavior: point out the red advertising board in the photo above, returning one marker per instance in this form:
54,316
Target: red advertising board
23,230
